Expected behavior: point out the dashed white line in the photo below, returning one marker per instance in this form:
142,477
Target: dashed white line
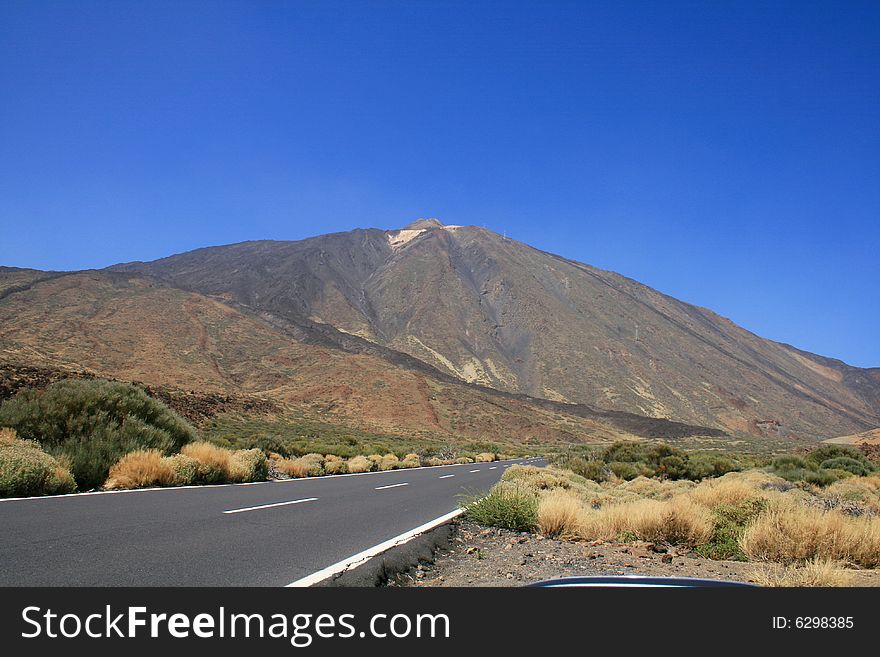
269,506
494,467
392,486
445,477
474,470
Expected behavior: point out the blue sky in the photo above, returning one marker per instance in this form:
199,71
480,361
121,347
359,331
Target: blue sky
725,153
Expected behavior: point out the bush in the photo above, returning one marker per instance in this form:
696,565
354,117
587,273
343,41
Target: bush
814,573
848,464
791,533
590,469
730,521
409,463
792,462
485,457
248,465
505,506
831,452
336,466
675,521
93,424
27,470
389,462
185,469
463,460
141,469
360,464
560,514
213,463
627,470
704,466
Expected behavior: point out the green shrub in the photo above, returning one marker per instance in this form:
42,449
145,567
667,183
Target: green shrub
673,467
849,464
830,452
335,467
248,465
593,469
26,470
506,506
792,462
704,466
628,471
730,521
94,423
185,468
821,478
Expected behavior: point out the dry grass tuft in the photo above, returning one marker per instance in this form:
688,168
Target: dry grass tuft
141,469
560,514
296,467
816,572
862,490
214,461
676,521
788,532
727,490
360,464
656,489
389,462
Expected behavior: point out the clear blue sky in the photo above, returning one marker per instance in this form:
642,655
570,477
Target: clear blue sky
725,153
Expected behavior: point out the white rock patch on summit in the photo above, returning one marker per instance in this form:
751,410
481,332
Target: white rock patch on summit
401,237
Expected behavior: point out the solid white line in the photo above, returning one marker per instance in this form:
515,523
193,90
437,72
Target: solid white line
474,470
269,506
357,559
406,483
445,477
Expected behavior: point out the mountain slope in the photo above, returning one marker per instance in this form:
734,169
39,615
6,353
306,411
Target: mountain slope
497,312
138,329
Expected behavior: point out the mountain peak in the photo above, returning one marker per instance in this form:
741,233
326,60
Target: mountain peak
421,224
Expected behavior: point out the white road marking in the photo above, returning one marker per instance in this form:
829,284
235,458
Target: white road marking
494,467
406,483
445,477
357,559
269,506
474,470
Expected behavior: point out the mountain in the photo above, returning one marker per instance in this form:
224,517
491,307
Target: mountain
211,354
485,309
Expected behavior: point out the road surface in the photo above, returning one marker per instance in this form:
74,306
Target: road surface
263,534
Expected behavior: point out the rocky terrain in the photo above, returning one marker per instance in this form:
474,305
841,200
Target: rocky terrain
204,354
486,309
432,330
483,556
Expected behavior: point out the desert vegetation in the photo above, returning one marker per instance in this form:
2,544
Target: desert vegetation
91,424
90,433
801,530
25,469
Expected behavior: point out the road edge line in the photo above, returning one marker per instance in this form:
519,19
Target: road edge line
362,557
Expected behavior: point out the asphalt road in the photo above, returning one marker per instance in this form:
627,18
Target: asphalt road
215,536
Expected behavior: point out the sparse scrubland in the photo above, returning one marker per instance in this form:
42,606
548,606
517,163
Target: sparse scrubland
803,529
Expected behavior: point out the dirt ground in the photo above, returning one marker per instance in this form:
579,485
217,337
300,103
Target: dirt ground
479,556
